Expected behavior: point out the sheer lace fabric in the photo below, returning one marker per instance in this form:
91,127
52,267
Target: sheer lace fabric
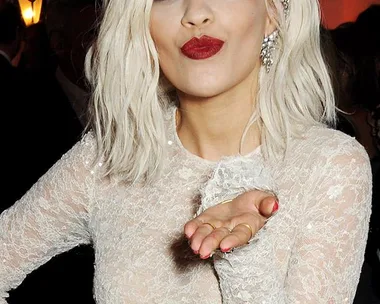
310,251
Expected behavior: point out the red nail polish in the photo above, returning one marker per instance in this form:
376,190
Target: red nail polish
226,249
275,207
195,251
205,257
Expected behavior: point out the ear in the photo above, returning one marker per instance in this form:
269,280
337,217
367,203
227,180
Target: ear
271,18
270,24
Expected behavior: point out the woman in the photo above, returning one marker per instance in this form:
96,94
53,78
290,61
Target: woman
193,112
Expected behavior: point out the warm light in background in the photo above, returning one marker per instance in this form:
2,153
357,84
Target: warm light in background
31,11
336,12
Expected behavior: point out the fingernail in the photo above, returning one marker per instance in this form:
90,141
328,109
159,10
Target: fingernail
275,207
226,249
204,257
195,251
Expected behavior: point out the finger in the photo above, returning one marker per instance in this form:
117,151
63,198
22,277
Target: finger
191,227
268,206
252,200
212,242
199,235
241,234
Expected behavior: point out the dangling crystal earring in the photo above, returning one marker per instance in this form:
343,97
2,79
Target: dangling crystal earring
268,46
285,4
267,49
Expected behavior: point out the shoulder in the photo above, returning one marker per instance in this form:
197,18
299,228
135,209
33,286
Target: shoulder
320,135
324,140
322,147
83,153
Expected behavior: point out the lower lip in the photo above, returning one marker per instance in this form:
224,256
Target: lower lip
202,52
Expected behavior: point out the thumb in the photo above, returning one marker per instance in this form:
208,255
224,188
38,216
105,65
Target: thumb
268,206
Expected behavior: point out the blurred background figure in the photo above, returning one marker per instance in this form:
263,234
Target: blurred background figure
39,128
356,73
42,125
71,28
10,37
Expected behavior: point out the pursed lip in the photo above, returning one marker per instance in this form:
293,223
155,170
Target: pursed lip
202,48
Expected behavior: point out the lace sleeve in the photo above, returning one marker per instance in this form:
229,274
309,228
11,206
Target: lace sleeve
231,177
234,176
328,253
49,219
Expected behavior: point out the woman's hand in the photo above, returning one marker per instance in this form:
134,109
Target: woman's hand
229,225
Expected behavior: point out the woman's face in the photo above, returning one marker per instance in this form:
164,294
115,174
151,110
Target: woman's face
207,67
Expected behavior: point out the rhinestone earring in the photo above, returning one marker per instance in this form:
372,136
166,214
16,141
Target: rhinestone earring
267,49
285,4
268,46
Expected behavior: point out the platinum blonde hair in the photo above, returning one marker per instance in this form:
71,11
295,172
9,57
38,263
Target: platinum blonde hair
129,99
297,92
126,112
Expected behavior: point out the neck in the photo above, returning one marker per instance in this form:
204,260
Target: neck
213,127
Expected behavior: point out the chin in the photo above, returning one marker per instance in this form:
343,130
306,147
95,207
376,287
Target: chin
205,92
202,89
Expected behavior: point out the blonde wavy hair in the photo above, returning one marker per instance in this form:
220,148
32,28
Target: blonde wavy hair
129,100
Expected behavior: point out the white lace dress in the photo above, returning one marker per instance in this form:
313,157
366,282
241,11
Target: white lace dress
311,251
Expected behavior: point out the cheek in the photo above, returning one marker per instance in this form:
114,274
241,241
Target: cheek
163,35
246,46
246,28
156,26
166,54
161,32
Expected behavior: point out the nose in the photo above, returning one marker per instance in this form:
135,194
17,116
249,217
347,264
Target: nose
197,14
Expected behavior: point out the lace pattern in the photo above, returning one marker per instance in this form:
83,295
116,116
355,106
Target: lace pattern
311,251
233,176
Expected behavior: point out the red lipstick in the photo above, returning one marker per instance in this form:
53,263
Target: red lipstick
202,48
